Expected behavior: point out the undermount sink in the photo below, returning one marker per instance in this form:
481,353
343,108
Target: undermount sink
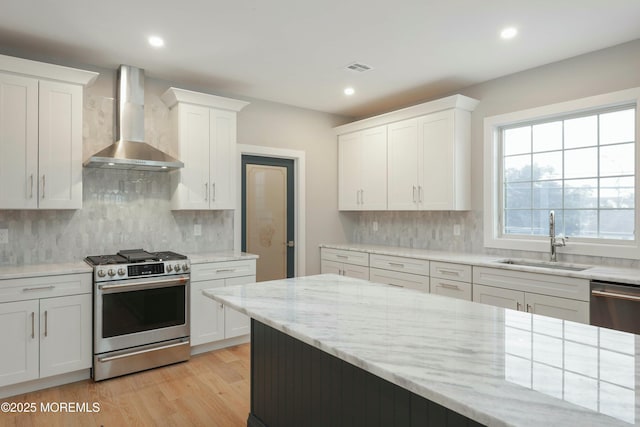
543,264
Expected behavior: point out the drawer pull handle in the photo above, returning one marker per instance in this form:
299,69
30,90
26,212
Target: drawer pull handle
342,256
40,288
397,264
448,286
449,272
225,270
393,284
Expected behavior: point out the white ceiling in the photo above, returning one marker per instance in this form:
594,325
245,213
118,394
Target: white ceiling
295,51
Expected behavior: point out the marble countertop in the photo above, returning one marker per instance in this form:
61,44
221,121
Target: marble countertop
203,258
37,270
498,367
590,272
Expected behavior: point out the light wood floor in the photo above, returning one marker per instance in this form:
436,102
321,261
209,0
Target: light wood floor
211,389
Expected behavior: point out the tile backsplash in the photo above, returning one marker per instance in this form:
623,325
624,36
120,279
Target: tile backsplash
122,209
434,230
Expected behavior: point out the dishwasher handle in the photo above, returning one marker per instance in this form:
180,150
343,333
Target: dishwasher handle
606,294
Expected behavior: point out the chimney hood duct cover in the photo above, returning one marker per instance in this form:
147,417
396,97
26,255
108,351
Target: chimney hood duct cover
130,151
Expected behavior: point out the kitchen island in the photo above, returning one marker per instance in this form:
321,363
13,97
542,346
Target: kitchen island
333,350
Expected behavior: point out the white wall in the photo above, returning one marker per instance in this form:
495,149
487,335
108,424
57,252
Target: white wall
608,70
276,125
599,72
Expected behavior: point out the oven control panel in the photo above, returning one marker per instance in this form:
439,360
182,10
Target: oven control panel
104,273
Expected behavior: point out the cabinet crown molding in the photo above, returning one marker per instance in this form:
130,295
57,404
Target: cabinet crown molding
454,101
174,95
43,70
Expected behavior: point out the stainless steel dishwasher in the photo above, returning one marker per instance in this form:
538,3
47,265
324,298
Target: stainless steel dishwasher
615,306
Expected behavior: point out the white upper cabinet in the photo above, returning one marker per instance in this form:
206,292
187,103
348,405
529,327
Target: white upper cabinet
362,170
429,162
428,155
41,134
205,127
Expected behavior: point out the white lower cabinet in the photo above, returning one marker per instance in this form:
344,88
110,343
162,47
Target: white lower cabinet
210,320
44,336
523,291
344,263
400,271
396,278
451,280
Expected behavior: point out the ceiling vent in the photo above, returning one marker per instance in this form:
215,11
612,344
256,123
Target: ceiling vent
357,67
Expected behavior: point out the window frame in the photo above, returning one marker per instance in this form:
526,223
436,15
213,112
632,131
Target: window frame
493,237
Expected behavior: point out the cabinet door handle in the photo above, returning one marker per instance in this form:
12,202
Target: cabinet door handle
529,308
213,192
221,305
206,191
419,193
448,286
33,325
45,323
362,197
518,306
448,272
39,288
31,185
414,194
43,185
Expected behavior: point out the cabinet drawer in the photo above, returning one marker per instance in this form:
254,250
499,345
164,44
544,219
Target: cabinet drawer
451,288
348,257
44,287
401,264
395,278
544,284
446,270
221,270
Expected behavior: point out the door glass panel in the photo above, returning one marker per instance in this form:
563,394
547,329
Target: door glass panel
266,229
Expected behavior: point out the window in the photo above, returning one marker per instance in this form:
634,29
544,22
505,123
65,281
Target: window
577,158
582,167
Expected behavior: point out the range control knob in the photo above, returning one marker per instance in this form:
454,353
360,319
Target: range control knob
185,267
121,271
169,268
176,267
101,273
111,272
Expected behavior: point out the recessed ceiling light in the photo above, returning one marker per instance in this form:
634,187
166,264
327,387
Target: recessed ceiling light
509,33
156,41
349,91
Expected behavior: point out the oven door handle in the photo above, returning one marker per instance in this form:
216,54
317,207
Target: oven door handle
137,353
143,285
604,294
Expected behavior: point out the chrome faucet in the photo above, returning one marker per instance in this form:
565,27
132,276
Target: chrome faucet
556,242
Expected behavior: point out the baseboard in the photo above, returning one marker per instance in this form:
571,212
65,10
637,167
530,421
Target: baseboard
217,345
42,383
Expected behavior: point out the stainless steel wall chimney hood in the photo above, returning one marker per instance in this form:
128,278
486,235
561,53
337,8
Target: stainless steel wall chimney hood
130,151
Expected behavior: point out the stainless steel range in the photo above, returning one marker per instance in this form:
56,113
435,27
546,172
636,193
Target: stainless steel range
140,311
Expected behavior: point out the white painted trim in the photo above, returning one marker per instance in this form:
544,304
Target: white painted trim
298,158
624,249
173,95
43,70
454,101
